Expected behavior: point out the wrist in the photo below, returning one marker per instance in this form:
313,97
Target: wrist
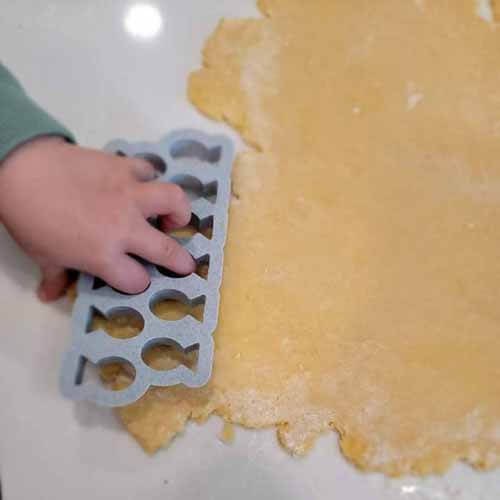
37,142
17,167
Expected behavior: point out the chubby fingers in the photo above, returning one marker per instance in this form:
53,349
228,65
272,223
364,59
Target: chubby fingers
158,248
54,283
166,200
142,170
125,274
138,238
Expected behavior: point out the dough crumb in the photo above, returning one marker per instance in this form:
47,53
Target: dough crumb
227,433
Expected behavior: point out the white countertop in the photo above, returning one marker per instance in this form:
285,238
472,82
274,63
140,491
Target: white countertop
78,60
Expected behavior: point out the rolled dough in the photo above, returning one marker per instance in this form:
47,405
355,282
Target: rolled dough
362,279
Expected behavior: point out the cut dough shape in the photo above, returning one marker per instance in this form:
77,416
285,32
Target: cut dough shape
362,279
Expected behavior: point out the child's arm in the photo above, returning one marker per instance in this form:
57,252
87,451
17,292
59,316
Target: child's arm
70,207
20,117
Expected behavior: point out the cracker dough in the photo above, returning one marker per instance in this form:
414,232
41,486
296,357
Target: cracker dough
362,280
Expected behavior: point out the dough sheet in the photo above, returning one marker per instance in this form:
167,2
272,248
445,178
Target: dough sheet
362,273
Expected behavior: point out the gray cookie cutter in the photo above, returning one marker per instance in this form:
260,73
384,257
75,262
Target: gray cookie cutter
202,165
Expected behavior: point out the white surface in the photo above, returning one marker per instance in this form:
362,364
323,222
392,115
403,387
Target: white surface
78,59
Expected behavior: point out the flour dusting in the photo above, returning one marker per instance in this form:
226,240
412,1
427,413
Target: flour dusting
484,10
414,97
259,79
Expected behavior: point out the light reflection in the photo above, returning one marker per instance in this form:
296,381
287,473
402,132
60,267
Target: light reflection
143,20
408,489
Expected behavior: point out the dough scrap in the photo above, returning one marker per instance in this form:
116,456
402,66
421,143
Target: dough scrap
361,284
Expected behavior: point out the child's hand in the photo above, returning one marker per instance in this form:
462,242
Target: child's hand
70,207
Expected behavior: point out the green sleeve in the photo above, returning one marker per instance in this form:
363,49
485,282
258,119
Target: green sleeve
21,119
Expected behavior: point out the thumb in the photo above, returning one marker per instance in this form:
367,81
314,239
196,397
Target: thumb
53,284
